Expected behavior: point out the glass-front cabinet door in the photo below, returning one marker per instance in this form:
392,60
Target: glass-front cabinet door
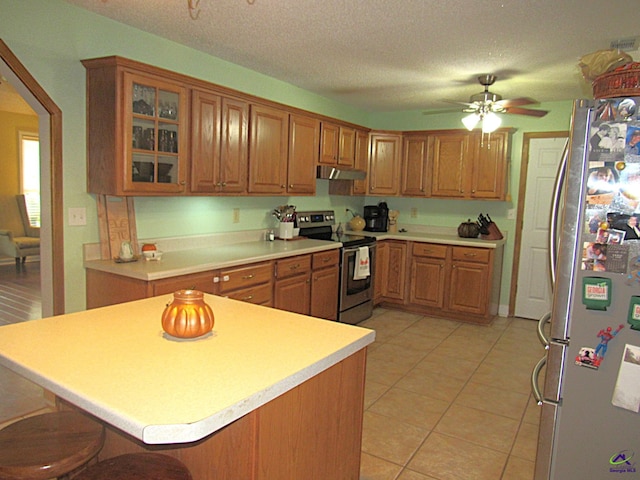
155,135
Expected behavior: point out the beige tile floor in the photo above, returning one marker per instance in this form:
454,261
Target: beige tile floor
448,400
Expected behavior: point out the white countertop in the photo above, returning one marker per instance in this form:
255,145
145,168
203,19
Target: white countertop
436,237
194,260
118,364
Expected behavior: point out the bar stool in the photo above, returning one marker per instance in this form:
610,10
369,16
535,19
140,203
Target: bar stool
48,445
137,466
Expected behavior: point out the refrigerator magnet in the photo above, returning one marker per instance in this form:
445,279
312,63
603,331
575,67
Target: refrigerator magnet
633,318
596,293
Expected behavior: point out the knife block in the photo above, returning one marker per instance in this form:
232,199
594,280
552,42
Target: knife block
494,233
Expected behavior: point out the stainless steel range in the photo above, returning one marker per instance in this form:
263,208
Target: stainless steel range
356,287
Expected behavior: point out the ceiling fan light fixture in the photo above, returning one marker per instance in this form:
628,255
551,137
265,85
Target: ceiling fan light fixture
470,121
491,122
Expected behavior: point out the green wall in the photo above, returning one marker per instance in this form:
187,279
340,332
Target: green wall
50,37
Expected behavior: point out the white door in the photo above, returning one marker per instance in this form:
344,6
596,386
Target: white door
533,297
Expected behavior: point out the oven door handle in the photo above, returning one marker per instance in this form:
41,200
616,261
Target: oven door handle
355,249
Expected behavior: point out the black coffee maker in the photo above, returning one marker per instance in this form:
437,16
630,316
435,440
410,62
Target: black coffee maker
376,217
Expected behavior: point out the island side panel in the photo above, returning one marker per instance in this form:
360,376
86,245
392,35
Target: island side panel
313,431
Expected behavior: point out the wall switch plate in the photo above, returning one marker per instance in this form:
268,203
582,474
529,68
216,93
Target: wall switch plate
236,215
77,216
414,212
511,214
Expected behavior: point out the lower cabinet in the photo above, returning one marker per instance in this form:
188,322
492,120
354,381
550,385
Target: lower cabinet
445,280
325,278
427,275
293,284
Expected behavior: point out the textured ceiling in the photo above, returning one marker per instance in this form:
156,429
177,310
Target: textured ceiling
391,55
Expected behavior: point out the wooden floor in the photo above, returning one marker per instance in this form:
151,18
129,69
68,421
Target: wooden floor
20,301
20,298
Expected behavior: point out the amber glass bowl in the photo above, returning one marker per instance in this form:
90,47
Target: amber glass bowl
188,315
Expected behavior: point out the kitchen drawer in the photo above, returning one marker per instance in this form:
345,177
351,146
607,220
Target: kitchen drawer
259,295
196,281
429,250
234,278
464,254
288,267
325,259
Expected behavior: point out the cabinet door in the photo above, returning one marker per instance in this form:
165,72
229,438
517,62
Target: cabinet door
361,161
234,146
381,266
304,140
384,164
394,281
489,166
469,288
205,142
324,293
268,151
155,135
347,147
329,144
294,294
427,282
414,165
448,175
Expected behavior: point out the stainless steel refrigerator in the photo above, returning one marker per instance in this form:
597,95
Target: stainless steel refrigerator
590,420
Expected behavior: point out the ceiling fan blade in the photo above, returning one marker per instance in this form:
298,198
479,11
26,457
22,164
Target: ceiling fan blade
516,102
473,105
525,111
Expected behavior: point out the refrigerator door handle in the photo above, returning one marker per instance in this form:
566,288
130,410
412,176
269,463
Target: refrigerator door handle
541,324
555,212
535,387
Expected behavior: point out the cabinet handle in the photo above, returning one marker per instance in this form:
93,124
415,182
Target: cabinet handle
326,259
291,185
224,184
247,277
470,255
248,297
294,267
182,182
473,191
219,184
283,186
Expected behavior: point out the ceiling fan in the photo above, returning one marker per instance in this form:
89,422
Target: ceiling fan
484,106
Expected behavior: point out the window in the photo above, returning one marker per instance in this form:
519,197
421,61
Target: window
29,144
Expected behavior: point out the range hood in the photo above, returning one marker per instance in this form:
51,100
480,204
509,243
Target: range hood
328,172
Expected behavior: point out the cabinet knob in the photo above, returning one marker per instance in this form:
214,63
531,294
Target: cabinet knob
182,182
248,277
291,185
247,298
283,186
224,184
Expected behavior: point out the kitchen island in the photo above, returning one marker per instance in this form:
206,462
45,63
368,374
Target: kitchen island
268,394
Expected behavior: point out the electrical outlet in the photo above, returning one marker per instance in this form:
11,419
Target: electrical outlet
236,215
414,212
511,214
77,216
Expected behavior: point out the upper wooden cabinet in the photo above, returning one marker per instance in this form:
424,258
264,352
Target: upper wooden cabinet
304,141
466,165
337,146
361,161
268,150
384,164
136,130
415,173
219,144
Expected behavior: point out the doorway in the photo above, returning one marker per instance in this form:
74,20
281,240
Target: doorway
531,284
50,133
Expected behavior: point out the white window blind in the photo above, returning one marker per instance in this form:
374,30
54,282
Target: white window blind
30,174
